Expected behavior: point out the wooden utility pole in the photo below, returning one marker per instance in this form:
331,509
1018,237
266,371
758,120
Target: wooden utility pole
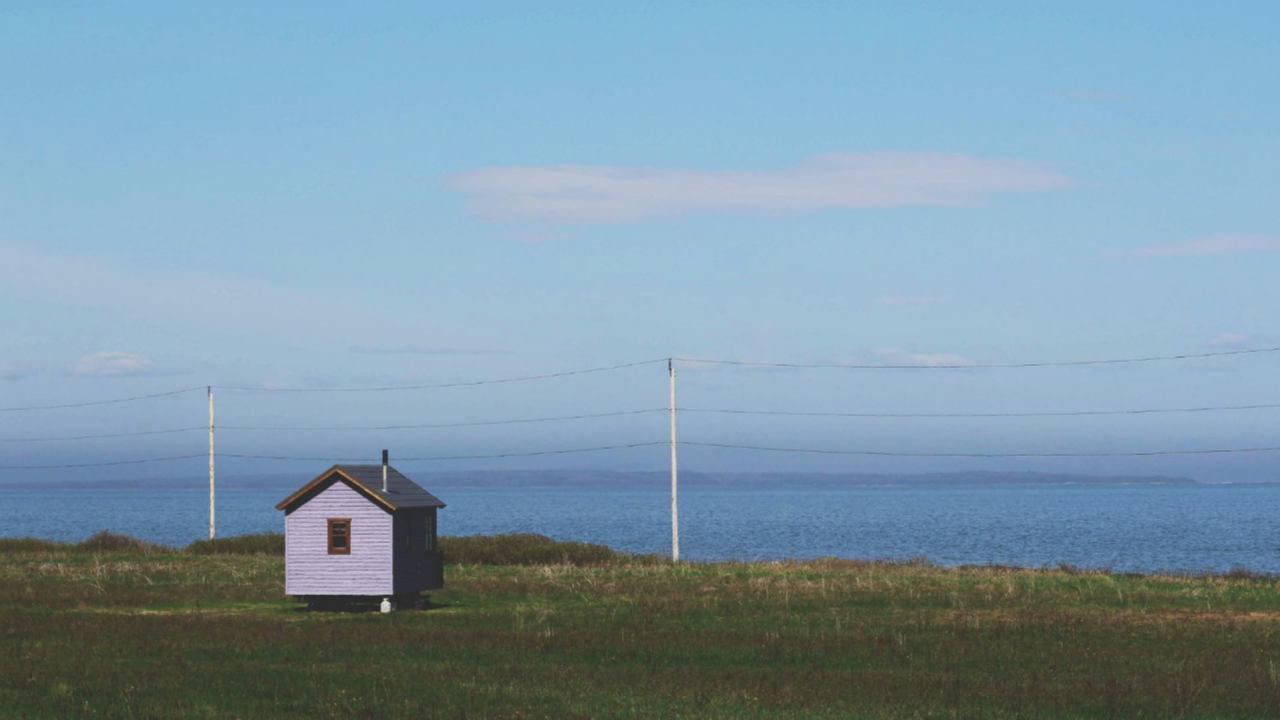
675,508
211,505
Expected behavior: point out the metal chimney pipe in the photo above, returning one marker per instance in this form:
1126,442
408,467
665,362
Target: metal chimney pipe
384,471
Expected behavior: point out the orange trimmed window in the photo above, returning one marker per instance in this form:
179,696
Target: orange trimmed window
339,536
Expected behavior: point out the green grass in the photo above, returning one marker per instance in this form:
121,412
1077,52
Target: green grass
141,632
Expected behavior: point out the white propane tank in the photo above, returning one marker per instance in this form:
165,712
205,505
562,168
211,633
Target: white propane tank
387,606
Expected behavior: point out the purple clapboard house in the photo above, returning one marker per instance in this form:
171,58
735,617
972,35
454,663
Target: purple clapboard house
361,531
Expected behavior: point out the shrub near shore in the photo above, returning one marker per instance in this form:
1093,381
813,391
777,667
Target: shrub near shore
99,542
509,549
516,549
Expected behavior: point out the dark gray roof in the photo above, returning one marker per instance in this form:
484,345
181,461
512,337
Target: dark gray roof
401,491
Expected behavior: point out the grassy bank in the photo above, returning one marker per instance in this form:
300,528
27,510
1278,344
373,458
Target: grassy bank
510,549
146,631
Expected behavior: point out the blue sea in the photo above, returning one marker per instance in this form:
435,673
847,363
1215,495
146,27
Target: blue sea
1125,528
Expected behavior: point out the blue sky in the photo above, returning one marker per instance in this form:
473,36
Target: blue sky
313,195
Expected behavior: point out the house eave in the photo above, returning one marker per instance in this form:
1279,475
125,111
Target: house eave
325,476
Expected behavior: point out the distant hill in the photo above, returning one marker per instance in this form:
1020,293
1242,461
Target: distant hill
608,479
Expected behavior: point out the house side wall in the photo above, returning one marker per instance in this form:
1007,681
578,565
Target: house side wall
416,569
311,570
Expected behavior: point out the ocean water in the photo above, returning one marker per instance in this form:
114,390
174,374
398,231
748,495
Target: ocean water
1126,528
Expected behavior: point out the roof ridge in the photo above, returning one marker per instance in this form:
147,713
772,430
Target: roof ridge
406,494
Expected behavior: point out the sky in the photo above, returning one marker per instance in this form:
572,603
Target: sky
324,196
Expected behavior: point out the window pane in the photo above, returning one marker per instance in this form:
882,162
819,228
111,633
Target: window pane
339,537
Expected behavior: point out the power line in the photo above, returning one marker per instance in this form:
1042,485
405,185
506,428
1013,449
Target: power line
875,453
684,359
100,402
448,457
102,464
983,455
98,437
977,366
532,454
471,383
1072,413
292,457
444,425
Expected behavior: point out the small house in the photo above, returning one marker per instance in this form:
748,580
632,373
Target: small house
361,531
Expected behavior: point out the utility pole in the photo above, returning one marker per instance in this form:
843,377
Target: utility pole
211,516
675,508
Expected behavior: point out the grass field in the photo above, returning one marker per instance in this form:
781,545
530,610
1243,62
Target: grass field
134,630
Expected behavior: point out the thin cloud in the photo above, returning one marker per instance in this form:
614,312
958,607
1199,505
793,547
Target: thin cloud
1089,94
87,280
909,300
898,356
1215,245
699,363
423,350
83,279
113,364
1229,340
17,371
882,356
610,194
532,236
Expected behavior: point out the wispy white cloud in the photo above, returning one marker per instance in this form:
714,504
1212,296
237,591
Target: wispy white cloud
881,356
702,363
898,356
87,280
534,236
113,364
1215,245
606,194
81,279
909,300
1093,94
1229,340
423,350
17,371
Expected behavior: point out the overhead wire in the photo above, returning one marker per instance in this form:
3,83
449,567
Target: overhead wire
540,452
448,457
975,366
242,456
104,436
102,402
733,446
470,383
1068,413
683,359
433,426
878,453
1140,411
101,464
